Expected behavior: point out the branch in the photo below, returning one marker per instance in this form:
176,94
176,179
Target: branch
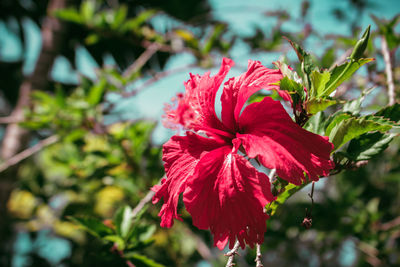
155,78
28,152
142,59
10,120
390,224
389,72
231,254
201,246
258,256
142,202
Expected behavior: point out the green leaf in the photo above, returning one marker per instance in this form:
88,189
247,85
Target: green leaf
382,120
354,106
289,190
139,135
361,45
334,119
96,92
343,72
353,127
135,23
307,64
295,90
68,14
92,39
287,72
318,83
368,145
88,9
215,36
291,86
123,221
141,260
300,52
315,105
92,226
43,97
316,124
119,16
75,135
116,240
147,233
392,112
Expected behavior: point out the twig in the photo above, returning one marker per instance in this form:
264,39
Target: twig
142,59
390,224
155,78
142,202
28,152
389,72
371,252
258,256
10,119
307,221
231,254
312,197
147,198
201,246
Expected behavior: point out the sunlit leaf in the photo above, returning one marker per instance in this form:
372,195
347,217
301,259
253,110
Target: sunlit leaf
123,221
69,14
117,240
314,105
289,190
318,83
353,127
343,72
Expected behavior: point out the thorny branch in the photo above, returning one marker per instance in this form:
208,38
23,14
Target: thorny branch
389,72
231,254
28,152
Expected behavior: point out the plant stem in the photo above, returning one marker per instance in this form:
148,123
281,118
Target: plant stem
258,256
389,72
231,254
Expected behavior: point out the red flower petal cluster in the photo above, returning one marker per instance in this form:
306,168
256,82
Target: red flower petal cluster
221,189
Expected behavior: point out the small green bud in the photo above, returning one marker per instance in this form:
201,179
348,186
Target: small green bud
361,45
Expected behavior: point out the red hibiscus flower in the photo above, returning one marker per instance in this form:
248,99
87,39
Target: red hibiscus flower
221,189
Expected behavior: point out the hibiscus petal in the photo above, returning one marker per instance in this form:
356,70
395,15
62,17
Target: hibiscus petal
237,90
268,132
181,155
227,195
196,108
